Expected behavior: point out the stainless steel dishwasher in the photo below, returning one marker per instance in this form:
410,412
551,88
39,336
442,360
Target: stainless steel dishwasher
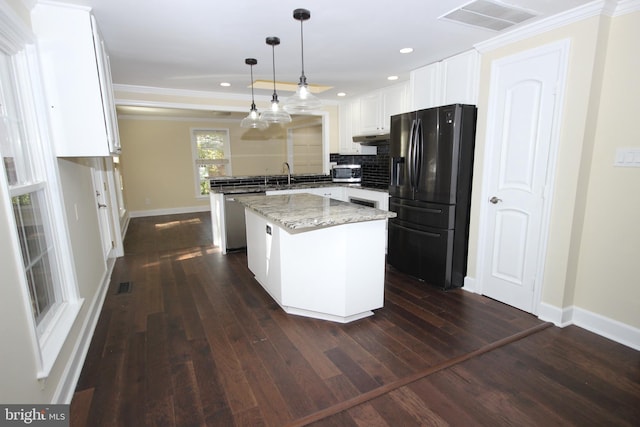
234,224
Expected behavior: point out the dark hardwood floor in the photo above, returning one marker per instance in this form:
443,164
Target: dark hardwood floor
196,341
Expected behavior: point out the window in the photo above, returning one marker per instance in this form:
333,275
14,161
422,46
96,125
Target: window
29,202
27,172
211,154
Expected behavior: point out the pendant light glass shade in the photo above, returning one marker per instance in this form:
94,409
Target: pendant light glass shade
252,121
303,100
276,114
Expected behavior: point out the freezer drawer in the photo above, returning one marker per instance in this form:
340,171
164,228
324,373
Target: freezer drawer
422,213
426,254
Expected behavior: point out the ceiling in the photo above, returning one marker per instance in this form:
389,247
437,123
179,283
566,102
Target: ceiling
350,45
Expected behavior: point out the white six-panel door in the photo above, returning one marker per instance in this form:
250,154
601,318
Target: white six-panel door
521,134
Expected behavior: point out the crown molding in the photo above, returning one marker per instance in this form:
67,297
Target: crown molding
152,90
596,8
29,3
141,117
14,34
627,6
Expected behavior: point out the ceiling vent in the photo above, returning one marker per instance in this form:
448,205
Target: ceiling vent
489,15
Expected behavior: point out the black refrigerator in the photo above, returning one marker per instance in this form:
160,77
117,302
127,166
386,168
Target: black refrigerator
431,155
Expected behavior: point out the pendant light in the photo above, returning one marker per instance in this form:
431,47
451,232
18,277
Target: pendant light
276,114
252,121
303,100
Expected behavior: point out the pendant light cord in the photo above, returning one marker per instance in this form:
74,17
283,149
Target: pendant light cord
253,102
273,63
303,78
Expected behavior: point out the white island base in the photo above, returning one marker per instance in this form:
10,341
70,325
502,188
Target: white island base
333,273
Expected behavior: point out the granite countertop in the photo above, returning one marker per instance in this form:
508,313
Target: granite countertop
242,189
306,212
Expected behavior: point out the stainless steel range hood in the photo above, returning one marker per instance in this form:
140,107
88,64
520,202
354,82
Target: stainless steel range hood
372,139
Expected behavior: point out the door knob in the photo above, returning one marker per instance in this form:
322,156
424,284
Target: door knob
495,200
100,205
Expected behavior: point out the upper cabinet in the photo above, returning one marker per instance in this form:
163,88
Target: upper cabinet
349,125
370,114
77,80
377,108
450,81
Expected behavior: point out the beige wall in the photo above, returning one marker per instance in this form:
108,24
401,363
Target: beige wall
157,166
591,227
157,162
607,279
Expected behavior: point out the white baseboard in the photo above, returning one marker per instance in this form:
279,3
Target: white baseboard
609,328
594,322
169,211
558,316
470,285
66,387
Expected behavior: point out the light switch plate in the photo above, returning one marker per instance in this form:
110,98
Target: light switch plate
627,157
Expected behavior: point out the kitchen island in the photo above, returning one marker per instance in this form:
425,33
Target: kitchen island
316,256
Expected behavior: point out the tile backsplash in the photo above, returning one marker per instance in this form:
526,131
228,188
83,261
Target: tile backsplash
375,169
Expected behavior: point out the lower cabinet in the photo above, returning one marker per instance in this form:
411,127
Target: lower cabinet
263,257
332,273
337,193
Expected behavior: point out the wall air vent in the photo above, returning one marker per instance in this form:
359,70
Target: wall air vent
489,15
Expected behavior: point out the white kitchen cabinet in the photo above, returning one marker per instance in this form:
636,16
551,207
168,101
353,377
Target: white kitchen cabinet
337,193
377,108
263,257
77,80
451,81
332,273
371,114
380,197
425,86
349,125
460,78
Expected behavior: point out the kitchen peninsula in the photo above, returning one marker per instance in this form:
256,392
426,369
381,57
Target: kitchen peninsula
316,256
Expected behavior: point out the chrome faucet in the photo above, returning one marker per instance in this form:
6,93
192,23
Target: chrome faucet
286,165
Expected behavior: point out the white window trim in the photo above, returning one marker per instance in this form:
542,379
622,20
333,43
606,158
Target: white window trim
17,41
196,161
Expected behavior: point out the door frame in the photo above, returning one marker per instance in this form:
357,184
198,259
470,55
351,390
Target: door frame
102,170
561,47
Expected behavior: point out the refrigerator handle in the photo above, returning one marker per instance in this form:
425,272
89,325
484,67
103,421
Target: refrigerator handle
419,142
411,154
396,171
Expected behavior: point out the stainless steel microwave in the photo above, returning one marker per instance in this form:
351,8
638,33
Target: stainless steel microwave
346,173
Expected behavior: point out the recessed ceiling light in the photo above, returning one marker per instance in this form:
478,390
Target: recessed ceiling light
392,78
406,50
225,84
341,94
